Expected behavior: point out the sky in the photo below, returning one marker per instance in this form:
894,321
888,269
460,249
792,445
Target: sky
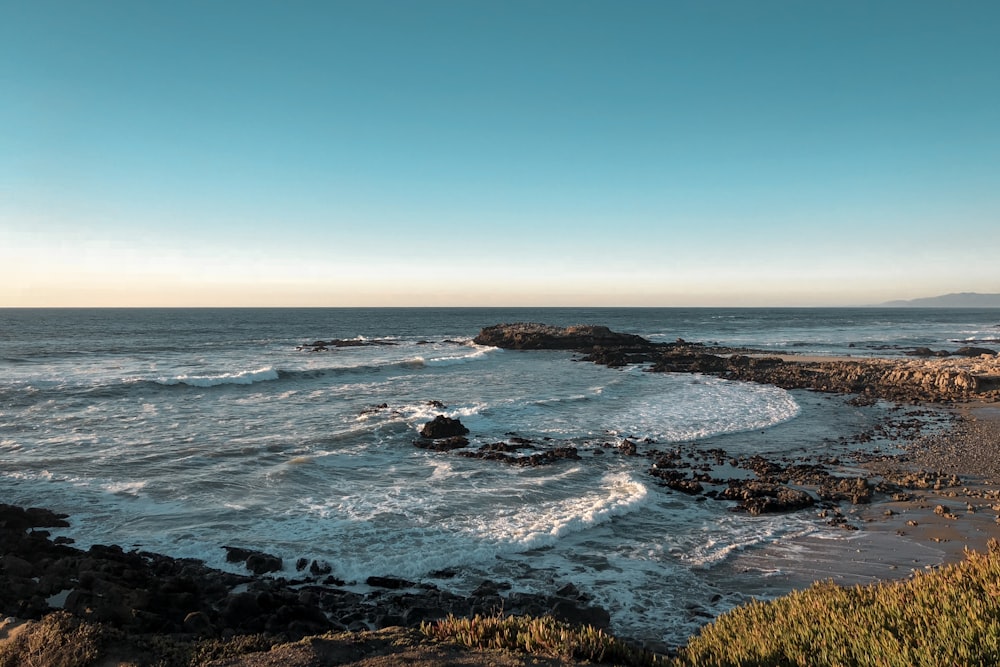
480,153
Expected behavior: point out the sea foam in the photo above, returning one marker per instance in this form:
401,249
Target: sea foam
243,377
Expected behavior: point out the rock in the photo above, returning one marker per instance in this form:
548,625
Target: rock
393,583
492,453
261,563
17,567
970,351
443,444
257,562
926,352
534,336
443,427
763,497
855,489
20,519
569,611
198,623
320,569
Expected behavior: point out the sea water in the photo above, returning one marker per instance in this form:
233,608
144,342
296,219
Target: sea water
179,431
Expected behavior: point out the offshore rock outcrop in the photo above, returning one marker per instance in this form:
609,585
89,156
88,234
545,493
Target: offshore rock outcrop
534,336
961,376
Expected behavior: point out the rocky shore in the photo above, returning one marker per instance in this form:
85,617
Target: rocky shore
944,477
965,374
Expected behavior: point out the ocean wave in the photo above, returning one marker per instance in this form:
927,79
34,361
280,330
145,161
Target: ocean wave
478,353
473,540
619,493
266,374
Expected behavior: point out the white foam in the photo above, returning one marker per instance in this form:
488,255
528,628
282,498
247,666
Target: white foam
477,354
266,374
519,530
124,488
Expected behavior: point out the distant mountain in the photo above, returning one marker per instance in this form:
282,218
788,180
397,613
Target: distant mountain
962,300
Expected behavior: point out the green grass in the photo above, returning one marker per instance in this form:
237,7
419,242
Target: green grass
539,636
949,616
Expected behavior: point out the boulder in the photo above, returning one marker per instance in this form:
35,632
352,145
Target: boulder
257,562
443,427
970,351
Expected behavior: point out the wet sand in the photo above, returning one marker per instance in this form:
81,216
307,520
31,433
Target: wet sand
897,537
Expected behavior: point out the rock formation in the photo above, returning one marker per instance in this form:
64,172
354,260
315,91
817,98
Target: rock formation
533,336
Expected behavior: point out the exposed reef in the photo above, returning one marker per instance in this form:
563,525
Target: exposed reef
965,374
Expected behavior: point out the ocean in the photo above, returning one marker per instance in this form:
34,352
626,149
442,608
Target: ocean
182,430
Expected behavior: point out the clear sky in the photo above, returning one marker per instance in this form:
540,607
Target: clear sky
467,152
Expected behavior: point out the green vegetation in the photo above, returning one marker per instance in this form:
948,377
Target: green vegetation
949,616
539,636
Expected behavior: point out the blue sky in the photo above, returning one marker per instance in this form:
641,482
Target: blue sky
497,153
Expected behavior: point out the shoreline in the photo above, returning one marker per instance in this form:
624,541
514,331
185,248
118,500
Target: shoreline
930,529
886,547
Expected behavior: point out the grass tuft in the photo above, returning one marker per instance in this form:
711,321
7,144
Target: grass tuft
57,640
543,636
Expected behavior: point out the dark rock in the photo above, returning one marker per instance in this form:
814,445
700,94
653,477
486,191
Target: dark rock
489,588
534,336
392,583
257,562
240,608
762,497
261,563
969,351
855,489
443,444
20,519
443,427
569,611
688,486
17,567
198,623
492,453
319,569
